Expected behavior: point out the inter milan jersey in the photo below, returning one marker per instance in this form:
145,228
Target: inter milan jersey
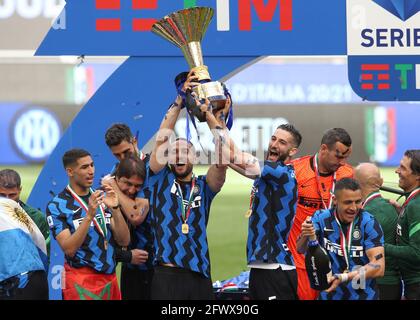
272,214
367,234
189,251
64,212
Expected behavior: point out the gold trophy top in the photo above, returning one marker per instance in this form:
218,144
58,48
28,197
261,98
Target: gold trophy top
185,29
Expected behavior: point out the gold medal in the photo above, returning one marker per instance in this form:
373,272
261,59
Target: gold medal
248,213
185,228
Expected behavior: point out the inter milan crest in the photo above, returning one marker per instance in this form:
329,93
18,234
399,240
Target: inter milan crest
357,234
196,190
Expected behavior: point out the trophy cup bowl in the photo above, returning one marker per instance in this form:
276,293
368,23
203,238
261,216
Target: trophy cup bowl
186,29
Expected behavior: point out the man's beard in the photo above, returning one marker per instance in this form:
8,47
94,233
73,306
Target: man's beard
280,157
188,170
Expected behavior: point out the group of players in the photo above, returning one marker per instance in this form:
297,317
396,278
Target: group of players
152,211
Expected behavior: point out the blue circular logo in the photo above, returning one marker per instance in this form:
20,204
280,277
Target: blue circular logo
35,132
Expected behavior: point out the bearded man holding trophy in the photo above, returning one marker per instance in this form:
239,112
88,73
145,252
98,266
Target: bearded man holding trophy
180,201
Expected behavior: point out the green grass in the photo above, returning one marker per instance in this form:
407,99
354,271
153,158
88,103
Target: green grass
227,229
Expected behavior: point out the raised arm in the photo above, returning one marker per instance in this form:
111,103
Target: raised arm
159,158
228,154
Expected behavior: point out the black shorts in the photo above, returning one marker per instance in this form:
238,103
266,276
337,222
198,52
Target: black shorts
35,289
265,284
136,284
412,291
170,283
390,291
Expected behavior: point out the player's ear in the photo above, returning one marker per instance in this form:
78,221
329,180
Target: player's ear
323,148
70,171
334,199
293,151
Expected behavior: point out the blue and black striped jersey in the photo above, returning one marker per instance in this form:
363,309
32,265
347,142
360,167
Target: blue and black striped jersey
64,212
272,215
367,234
189,251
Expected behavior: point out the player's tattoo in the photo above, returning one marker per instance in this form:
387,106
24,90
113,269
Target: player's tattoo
379,256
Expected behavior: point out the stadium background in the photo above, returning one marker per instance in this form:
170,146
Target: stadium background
40,96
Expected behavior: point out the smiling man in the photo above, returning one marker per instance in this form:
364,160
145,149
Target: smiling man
272,206
316,176
407,250
354,242
180,208
87,225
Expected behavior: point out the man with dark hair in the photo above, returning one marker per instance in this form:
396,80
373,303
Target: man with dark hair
122,144
121,141
407,249
180,208
135,275
10,187
87,225
316,177
272,206
137,267
353,240
370,180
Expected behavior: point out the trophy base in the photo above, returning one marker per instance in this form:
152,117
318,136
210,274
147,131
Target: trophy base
213,91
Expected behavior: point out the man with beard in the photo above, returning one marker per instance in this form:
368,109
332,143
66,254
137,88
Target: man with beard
87,225
354,241
180,211
407,249
316,177
271,210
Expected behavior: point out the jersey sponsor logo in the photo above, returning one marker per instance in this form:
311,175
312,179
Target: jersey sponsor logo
310,202
77,222
355,251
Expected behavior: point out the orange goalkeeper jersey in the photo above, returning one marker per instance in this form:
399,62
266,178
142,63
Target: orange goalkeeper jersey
309,197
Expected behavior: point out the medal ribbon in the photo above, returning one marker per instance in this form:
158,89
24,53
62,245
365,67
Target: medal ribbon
345,242
252,198
185,215
370,198
411,196
101,227
315,163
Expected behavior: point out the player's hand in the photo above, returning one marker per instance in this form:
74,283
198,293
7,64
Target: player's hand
111,198
95,200
308,229
109,180
139,256
334,283
191,82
